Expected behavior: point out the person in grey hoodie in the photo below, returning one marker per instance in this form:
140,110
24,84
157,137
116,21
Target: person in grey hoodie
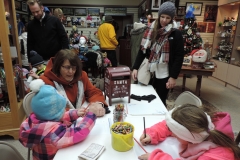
23,46
136,38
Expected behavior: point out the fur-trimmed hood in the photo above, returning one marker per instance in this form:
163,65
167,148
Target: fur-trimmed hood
138,30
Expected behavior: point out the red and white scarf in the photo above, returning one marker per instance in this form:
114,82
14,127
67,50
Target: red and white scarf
160,49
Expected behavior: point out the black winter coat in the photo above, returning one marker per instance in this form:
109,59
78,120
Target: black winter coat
46,37
175,56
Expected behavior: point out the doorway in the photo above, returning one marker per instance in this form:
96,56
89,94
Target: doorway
122,21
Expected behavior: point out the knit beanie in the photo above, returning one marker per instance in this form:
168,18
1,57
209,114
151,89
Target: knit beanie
47,103
35,59
167,8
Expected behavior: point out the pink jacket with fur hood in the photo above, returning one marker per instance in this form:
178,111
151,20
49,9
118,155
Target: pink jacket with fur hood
202,151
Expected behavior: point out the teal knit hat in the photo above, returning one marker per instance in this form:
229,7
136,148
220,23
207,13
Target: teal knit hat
47,103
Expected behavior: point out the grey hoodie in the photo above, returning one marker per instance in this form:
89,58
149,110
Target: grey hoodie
136,38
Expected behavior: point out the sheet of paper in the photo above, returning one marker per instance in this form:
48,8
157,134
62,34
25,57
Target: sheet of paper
170,146
92,152
101,126
145,109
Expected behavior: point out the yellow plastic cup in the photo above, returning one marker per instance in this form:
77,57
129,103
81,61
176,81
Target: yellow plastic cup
122,142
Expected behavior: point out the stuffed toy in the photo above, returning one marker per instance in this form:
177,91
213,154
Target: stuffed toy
3,109
88,20
189,12
83,49
74,36
83,20
106,61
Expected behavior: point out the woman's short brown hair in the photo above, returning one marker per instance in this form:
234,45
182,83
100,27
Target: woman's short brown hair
67,54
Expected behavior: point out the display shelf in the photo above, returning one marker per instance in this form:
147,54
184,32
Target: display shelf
10,121
225,26
226,36
227,33
227,72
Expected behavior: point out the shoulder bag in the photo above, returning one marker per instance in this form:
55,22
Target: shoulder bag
144,74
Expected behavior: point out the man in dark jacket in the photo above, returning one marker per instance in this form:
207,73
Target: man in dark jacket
46,34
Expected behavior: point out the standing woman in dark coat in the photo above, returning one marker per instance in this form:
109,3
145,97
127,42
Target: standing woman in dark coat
162,43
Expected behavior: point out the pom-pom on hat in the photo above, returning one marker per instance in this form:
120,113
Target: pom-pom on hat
35,59
167,8
47,103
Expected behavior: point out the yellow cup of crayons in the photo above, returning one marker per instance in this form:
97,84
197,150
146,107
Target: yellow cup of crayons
122,136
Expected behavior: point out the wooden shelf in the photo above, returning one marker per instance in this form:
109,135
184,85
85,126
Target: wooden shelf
225,26
227,72
225,37
11,121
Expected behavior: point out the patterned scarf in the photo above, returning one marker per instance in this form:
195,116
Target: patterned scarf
160,49
80,95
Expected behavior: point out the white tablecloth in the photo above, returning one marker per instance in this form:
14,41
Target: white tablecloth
101,131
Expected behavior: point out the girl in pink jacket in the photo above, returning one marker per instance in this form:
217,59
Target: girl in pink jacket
202,137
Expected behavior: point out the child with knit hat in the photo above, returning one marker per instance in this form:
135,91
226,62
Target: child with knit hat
49,127
203,136
37,62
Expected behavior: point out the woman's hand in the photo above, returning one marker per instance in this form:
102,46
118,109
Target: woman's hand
145,141
97,109
171,83
144,156
134,74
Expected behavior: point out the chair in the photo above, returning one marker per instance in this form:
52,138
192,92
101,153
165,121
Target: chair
27,103
9,152
237,140
28,110
188,97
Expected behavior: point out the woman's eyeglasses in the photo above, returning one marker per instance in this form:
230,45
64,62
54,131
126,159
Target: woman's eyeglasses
70,67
